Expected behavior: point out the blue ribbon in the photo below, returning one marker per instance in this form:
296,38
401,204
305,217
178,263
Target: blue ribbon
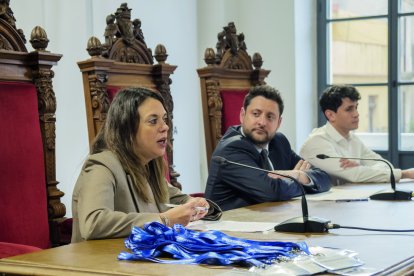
212,247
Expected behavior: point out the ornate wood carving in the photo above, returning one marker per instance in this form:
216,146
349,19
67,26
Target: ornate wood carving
124,60
124,39
230,67
231,49
11,38
47,108
42,78
215,105
99,98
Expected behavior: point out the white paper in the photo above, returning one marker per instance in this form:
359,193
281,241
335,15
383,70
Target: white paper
335,259
232,226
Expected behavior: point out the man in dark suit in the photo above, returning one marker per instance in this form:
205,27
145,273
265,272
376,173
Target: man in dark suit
256,143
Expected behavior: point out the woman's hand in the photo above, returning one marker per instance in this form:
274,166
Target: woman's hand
194,209
201,206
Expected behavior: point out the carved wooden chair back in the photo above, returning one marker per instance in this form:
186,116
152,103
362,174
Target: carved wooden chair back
30,200
124,60
228,76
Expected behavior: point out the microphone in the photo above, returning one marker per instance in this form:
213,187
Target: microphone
389,194
303,224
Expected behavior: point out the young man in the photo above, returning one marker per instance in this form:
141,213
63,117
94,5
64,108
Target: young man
232,186
340,107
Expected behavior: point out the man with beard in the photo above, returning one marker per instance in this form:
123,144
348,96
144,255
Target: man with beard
339,104
256,143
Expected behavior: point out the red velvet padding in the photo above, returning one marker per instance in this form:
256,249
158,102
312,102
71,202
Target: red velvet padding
112,90
13,249
23,207
232,103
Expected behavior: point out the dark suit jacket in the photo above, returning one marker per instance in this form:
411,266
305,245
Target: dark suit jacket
232,186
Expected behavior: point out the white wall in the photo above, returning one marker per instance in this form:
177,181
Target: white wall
283,31
306,102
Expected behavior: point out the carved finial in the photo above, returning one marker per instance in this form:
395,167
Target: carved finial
257,61
38,39
209,56
94,46
160,53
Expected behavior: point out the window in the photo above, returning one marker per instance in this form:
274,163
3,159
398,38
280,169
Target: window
370,44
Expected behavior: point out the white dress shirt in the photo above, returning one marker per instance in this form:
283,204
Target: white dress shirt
327,140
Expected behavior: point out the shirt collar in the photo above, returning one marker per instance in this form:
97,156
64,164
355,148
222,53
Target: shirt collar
335,135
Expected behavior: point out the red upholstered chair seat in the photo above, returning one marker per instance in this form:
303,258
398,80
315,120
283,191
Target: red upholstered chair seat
13,249
23,204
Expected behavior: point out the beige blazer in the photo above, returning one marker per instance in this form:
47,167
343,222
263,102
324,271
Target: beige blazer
102,204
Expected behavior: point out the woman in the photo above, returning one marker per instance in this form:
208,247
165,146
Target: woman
122,183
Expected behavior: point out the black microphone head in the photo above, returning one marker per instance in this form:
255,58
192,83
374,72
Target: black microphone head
220,160
322,156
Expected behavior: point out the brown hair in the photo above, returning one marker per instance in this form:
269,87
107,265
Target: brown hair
118,136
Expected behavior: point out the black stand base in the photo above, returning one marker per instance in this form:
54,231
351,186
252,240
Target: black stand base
297,225
392,195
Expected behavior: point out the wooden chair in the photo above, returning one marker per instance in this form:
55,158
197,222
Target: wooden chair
124,60
30,205
225,80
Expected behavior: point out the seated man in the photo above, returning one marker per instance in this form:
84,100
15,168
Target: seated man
340,107
233,186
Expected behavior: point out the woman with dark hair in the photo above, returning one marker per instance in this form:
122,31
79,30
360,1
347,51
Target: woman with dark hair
122,183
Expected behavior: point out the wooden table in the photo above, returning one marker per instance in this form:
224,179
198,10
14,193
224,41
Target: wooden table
380,250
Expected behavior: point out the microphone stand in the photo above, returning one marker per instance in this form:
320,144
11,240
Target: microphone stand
302,224
388,194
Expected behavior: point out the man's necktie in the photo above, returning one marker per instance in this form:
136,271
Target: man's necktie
265,160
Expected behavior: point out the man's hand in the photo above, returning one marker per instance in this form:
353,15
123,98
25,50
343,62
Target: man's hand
346,163
302,165
297,173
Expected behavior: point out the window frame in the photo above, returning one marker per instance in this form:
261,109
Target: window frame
400,158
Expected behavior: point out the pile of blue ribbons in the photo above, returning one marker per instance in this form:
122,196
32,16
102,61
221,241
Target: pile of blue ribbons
213,247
